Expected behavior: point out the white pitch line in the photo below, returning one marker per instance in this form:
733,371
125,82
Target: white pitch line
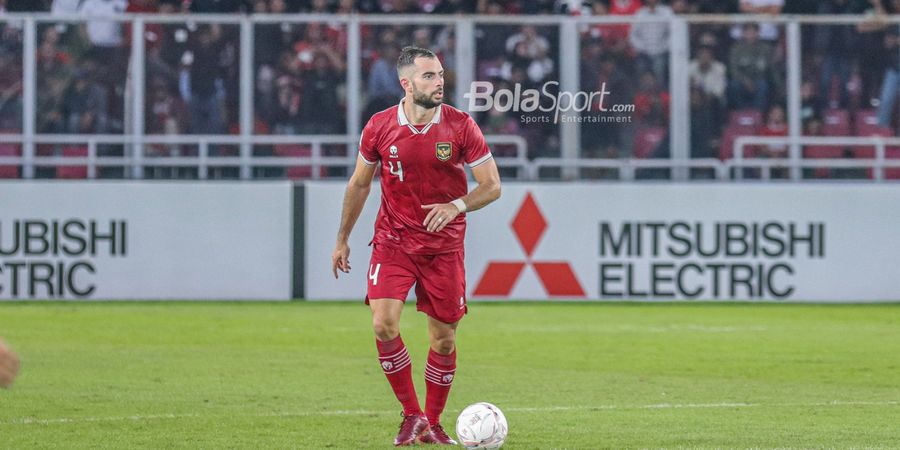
363,412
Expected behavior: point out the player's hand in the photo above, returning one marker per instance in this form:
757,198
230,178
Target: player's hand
340,259
439,216
9,365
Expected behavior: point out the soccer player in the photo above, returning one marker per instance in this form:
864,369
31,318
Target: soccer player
9,365
421,145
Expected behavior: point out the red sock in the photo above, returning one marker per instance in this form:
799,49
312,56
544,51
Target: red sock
439,373
397,367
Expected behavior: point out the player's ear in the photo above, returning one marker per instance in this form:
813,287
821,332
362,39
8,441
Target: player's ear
406,83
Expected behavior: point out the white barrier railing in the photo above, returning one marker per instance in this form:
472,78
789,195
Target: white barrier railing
136,160
795,160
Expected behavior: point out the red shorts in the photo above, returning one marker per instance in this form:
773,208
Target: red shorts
440,280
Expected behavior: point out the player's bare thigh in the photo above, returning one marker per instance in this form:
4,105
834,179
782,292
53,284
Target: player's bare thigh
442,335
386,317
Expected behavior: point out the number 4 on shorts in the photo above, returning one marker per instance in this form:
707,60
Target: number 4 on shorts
373,273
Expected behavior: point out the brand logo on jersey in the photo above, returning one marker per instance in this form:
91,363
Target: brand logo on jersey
500,277
393,151
443,150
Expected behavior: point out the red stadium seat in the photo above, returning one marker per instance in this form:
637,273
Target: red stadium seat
868,151
294,150
731,132
836,122
647,139
73,172
823,152
865,123
10,171
749,118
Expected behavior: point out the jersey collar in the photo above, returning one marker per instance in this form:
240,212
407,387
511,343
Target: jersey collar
402,120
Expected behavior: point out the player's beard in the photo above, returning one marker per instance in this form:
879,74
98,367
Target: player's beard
425,100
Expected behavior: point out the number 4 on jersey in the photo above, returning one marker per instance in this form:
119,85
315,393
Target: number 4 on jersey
398,172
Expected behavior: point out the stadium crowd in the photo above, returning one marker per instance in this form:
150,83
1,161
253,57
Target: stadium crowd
851,73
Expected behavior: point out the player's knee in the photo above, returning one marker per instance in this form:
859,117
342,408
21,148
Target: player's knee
444,344
385,330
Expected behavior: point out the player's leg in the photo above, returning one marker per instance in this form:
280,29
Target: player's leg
441,294
439,373
392,353
390,279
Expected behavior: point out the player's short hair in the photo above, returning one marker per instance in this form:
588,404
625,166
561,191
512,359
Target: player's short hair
408,57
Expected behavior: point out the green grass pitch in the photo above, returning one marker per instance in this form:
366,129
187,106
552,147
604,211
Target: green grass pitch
305,375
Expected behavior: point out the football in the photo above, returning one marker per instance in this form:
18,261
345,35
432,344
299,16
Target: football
481,426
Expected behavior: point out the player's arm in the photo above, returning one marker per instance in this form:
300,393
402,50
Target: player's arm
488,190
354,199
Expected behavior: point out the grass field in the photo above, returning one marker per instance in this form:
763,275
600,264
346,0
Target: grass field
304,375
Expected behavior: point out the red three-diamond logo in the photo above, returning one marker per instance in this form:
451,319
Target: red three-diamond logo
557,277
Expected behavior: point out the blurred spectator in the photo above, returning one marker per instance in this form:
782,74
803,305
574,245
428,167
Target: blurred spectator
287,107
204,89
528,50
533,44
775,125
346,7
455,7
218,6
536,68
750,66
891,81
54,71
716,6
706,120
166,112
614,38
836,47
491,38
871,63
811,105
105,37
85,105
321,111
651,102
683,7
400,7
10,91
384,89
708,75
767,31
651,39
607,140
624,8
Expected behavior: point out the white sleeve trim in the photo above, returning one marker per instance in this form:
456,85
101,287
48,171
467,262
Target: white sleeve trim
368,163
481,160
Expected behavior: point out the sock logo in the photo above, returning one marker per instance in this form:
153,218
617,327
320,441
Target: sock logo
387,365
447,378
557,277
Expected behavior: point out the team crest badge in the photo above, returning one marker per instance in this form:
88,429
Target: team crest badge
443,150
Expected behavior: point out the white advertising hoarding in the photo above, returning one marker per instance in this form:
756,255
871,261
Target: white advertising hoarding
160,240
775,242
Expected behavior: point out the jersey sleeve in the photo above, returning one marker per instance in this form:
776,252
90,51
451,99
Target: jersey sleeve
476,150
367,150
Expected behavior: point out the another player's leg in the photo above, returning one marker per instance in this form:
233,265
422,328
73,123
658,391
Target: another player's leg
9,365
439,373
397,367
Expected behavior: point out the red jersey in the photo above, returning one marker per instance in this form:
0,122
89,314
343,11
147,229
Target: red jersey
421,166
